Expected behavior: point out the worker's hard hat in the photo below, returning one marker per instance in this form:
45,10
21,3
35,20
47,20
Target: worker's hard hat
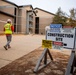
9,20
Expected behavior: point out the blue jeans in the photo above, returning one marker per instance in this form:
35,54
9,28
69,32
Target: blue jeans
9,38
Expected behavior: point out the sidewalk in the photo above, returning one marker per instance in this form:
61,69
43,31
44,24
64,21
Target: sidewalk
26,64
21,45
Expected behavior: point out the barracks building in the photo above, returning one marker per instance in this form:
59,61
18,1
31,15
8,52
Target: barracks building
25,18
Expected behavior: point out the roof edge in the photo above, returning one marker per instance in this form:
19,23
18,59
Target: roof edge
26,6
10,2
44,10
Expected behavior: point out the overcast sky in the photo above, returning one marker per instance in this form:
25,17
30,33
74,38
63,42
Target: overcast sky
49,5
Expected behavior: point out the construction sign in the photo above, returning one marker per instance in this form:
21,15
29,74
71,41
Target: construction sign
59,35
46,43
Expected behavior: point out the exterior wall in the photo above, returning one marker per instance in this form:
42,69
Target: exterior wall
45,19
30,22
34,24
2,3
27,8
10,9
18,20
24,19
7,7
27,22
21,15
3,19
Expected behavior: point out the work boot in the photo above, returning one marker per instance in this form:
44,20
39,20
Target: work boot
5,47
9,46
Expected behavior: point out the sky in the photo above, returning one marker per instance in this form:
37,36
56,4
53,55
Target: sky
49,5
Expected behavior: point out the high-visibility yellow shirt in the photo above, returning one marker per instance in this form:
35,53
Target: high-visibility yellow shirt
8,28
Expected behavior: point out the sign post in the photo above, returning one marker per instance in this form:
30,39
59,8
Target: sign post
46,44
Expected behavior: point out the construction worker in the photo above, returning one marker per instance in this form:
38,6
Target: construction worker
8,30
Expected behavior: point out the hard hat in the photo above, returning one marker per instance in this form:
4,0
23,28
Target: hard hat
9,20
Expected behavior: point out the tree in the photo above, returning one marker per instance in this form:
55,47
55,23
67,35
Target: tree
73,14
72,19
60,17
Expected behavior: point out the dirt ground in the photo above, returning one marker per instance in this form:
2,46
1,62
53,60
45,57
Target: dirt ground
26,64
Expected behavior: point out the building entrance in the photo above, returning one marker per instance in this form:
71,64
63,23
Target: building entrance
37,25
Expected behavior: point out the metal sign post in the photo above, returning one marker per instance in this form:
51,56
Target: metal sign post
71,64
43,56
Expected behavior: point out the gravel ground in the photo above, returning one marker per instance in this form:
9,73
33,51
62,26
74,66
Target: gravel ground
26,64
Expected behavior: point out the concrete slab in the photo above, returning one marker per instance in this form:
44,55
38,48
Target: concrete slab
3,62
21,45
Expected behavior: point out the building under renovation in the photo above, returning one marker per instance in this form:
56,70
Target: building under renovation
25,18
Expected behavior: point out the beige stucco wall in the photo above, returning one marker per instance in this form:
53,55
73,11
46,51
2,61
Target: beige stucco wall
7,7
3,19
27,8
43,13
22,19
9,10
34,24
45,19
21,15
3,3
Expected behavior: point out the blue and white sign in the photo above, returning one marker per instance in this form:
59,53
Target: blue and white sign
55,28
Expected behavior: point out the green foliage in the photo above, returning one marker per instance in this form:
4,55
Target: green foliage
61,18
72,19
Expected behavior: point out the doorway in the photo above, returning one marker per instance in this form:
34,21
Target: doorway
37,25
